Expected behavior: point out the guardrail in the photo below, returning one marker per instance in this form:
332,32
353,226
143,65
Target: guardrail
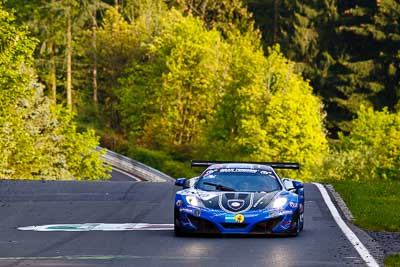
135,168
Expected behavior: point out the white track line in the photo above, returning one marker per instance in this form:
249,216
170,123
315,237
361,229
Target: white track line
86,227
351,236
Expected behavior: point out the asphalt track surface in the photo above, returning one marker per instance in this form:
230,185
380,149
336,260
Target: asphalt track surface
125,201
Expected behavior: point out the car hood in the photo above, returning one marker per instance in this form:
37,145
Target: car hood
235,201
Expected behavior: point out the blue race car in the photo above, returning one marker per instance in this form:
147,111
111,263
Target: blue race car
239,198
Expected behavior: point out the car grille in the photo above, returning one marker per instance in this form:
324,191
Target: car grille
266,226
203,226
234,225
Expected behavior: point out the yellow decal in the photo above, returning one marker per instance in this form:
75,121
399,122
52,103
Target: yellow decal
239,218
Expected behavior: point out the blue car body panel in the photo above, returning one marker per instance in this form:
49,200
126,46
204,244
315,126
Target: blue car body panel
240,212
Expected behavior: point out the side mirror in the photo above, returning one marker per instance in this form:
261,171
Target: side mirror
180,182
288,183
297,184
292,184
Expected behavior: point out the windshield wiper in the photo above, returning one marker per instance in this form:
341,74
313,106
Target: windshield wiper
220,187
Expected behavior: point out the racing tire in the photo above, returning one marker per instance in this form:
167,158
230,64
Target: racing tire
177,229
296,230
302,225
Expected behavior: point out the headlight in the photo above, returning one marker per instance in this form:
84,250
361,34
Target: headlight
279,203
194,201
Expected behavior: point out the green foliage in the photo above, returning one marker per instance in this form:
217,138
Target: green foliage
163,162
370,151
38,139
117,43
82,160
239,112
374,204
219,98
175,86
222,15
368,74
392,260
294,127
348,49
15,57
268,113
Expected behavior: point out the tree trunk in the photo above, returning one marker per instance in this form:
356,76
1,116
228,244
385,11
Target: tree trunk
53,76
276,17
94,46
69,56
53,66
116,5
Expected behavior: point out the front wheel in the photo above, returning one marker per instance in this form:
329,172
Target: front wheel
177,229
302,222
296,228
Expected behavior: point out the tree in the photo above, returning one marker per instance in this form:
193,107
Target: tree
295,119
44,22
118,44
174,86
59,26
367,71
221,15
239,122
348,50
33,134
370,151
271,115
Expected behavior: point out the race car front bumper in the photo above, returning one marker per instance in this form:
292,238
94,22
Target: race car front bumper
266,221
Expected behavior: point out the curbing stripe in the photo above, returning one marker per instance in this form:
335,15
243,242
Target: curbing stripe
340,203
351,236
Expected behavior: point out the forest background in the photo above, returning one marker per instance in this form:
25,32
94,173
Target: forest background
168,81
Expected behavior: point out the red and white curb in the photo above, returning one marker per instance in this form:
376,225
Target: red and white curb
351,236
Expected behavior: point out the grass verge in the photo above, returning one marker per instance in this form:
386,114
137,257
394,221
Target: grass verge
374,204
392,261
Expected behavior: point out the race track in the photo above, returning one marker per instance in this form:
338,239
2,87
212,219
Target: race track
125,201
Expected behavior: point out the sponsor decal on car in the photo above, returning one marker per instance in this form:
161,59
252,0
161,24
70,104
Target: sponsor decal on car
239,218
178,203
275,213
239,170
195,212
293,204
286,224
231,218
187,210
236,204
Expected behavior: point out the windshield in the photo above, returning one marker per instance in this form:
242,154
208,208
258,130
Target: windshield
242,180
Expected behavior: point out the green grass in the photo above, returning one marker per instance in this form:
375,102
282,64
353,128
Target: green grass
374,204
392,261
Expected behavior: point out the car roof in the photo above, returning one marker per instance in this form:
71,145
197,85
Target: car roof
240,166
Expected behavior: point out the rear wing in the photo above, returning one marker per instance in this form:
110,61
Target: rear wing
275,165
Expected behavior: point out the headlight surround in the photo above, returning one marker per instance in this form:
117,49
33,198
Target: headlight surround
194,201
279,202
